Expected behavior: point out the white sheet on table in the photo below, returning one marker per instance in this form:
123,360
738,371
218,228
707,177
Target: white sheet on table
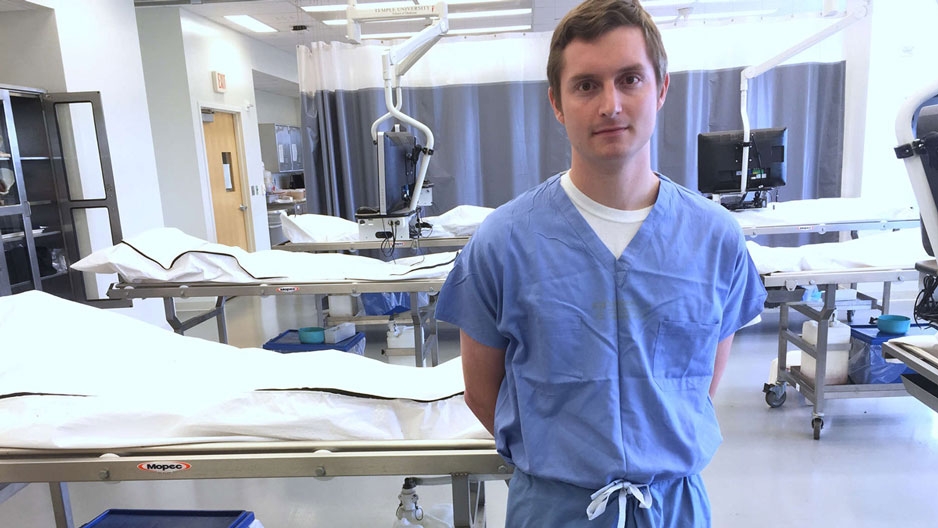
169,255
462,220
894,249
111,381
927,343
825,211
311,228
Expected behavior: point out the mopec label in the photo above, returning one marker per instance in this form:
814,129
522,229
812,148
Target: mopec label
164,467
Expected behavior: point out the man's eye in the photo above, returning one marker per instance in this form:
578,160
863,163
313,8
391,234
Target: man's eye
630,80
585,86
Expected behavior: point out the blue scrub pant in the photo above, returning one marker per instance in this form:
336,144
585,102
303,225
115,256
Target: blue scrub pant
539,503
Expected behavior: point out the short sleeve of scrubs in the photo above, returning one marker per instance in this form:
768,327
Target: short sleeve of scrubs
471,295
745,287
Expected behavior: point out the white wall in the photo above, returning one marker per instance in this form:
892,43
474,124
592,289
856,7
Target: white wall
92,46
277,109
903,44
857,99
206,47
174,139
37,65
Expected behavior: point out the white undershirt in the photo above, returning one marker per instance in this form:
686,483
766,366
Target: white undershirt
615,227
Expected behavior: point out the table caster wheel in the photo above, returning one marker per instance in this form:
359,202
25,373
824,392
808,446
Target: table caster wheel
817,424
775,396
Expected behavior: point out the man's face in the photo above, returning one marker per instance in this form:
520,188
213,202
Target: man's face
609,98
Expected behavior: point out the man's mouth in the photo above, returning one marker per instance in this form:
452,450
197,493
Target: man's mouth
609,130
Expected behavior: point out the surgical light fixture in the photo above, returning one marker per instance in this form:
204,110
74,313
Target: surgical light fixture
499,29
728,15
341,7
490,14
462,16
651,4
388,36
250,23
396,61
734,14
467,2
342,21
473,31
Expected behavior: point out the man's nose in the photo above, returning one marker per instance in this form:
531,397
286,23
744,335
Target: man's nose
611,104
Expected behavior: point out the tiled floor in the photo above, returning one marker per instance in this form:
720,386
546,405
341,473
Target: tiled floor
876,464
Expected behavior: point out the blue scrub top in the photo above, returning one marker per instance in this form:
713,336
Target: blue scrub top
608,361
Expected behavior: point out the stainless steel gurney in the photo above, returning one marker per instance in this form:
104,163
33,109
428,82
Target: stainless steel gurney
467,463
423,318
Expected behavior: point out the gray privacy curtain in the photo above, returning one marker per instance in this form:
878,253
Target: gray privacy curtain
495,140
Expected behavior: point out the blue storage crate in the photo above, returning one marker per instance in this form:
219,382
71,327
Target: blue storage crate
866,364
172,519
289,341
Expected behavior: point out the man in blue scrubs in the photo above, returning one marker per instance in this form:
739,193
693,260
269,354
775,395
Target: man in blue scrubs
597,310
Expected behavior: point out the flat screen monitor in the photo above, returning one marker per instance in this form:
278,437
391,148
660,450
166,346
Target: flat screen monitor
720,160
397,171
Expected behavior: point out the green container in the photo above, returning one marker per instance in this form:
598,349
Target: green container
893,324
312,335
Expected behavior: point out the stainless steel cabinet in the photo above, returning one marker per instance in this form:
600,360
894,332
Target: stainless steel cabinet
281,148
57,201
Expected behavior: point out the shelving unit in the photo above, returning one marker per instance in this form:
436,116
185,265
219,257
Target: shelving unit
281,148
817,391
61,205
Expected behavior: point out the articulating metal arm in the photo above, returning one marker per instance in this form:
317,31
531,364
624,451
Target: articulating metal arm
397,61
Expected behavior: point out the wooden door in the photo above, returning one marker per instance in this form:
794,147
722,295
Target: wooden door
224,170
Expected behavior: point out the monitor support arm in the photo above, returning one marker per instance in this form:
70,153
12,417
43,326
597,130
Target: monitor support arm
397,60
752,72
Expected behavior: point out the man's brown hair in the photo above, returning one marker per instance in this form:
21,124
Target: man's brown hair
593,19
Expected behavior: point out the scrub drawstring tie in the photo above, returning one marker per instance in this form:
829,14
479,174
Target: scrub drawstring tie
625,488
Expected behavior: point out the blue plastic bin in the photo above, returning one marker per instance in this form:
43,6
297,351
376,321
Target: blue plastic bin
391,303
866,364
289,341
171,519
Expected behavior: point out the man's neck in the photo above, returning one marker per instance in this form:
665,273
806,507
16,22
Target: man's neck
627,188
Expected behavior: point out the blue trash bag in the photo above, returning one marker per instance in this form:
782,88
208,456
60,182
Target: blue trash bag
390,303
867,365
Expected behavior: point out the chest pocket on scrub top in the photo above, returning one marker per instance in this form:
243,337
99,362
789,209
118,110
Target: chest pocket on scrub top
684,354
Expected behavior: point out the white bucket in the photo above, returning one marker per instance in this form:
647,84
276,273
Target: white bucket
838,352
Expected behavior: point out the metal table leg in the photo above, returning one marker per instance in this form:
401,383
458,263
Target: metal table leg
425,325
179,326
468,502
420,358
61,506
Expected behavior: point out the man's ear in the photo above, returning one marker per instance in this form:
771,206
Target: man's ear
663,93
555,104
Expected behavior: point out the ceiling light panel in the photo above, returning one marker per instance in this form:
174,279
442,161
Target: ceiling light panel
250,23
489,14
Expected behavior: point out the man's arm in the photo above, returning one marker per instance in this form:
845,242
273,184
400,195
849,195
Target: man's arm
483,369
719,364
